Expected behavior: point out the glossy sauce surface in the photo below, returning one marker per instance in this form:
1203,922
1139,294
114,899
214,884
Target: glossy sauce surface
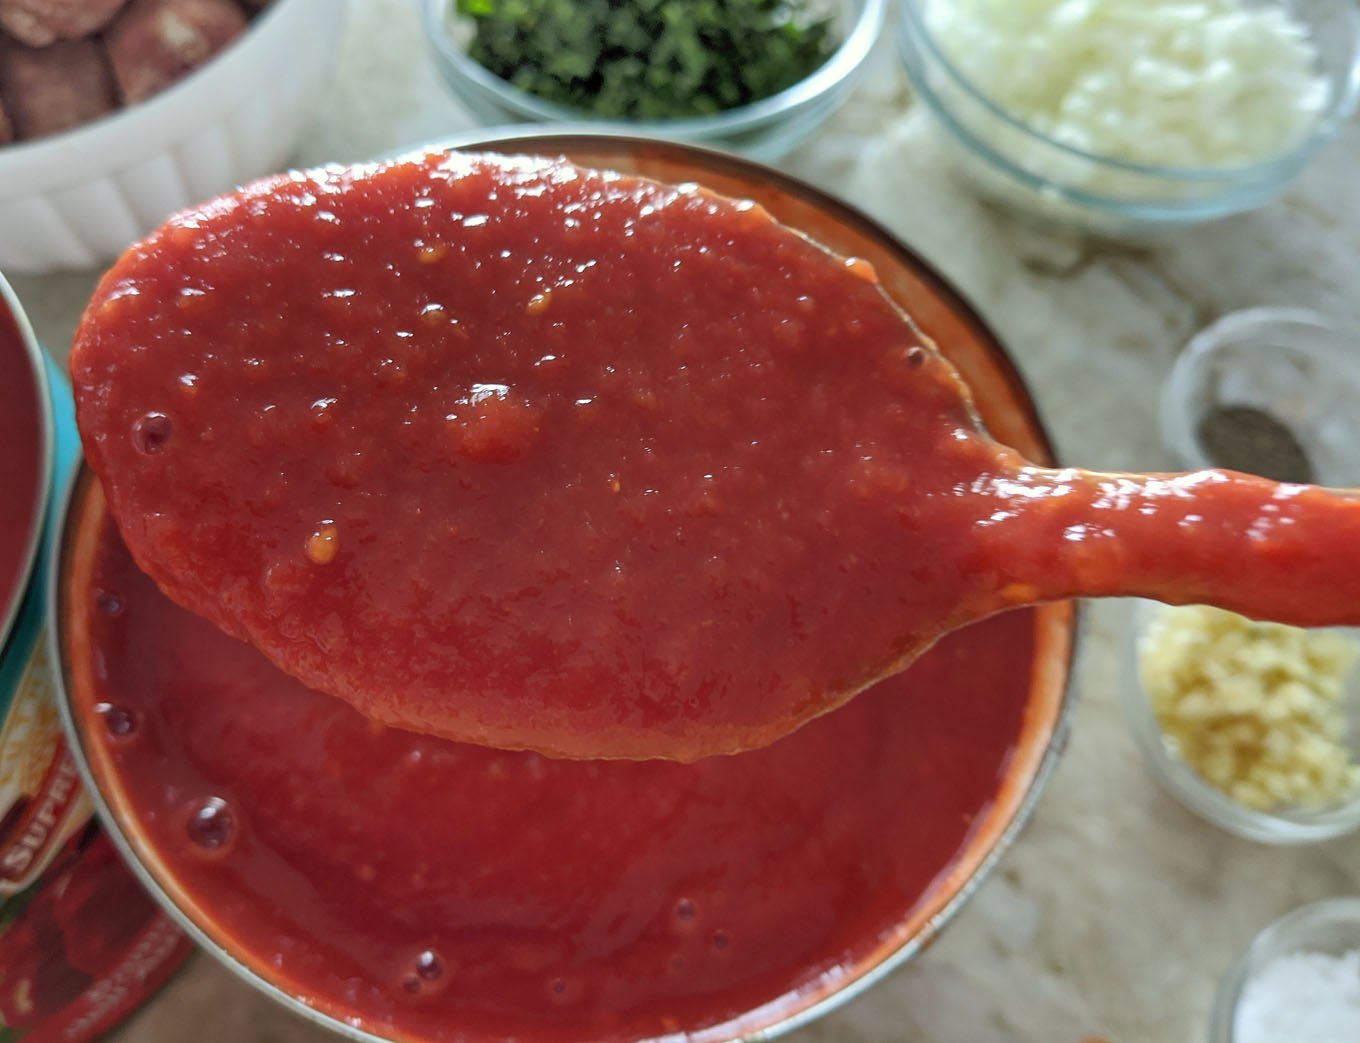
437,891
529,455
519,453
21,462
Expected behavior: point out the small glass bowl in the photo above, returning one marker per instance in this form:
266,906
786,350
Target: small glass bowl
764,130
1330,926
1294,366
1034,174
1284,826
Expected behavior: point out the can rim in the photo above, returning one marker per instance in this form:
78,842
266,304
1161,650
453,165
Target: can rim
11,602
874,968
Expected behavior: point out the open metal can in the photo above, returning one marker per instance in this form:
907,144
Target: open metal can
241,878
81,944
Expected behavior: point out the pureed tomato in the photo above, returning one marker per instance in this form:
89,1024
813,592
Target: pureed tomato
436,891
539,457
22,474
497,451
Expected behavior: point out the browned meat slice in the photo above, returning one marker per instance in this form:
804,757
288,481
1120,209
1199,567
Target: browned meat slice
51,89
155,42
42,22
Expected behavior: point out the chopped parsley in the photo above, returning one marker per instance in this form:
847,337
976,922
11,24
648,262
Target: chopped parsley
648,59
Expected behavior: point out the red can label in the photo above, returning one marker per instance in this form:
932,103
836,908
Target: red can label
81,943
41,800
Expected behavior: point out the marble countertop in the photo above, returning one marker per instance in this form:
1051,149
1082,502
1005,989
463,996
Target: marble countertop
1116,912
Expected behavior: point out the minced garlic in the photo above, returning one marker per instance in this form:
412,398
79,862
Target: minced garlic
1255,709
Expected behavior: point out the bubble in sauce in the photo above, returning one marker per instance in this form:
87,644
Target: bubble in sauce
151,432
211,825
722,939
425,973
563,991
119,721
108,603
323,413
684,913
429,967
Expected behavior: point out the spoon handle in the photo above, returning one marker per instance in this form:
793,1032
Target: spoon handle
1288,553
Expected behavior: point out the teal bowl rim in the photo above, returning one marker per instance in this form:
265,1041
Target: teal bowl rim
843,64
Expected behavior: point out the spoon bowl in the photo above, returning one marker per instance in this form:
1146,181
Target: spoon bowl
534,456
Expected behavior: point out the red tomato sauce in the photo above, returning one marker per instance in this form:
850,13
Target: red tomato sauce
437,891
21,462
523,454
493,449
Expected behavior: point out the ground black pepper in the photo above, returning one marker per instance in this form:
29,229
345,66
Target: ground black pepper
1244,438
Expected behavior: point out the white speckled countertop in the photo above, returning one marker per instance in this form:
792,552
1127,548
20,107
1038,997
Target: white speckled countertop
1116,912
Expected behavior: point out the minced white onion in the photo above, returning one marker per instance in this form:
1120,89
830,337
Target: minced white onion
1188,83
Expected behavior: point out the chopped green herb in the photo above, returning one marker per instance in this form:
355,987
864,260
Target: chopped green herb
648,59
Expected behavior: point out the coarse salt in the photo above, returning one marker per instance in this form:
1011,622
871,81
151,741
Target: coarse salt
1302,997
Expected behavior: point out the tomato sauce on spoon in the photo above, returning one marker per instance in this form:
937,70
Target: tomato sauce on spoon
532,456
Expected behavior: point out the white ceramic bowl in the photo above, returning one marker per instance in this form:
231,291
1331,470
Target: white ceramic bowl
76,200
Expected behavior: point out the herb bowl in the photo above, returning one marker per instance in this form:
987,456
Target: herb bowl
1038,177
764,130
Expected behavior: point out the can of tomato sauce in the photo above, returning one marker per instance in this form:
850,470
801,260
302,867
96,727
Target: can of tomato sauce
81,944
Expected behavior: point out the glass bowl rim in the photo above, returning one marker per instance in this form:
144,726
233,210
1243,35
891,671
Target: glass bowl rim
1342,105
849,55
1231,986
1174,400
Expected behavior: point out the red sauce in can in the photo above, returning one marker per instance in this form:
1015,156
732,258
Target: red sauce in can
22,475
435,891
